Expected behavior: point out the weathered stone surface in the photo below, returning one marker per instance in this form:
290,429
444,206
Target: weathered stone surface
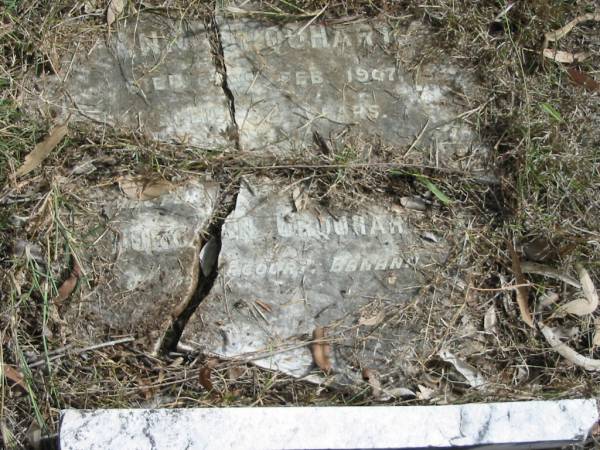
526,425
283,272
156,75
143,262
349,81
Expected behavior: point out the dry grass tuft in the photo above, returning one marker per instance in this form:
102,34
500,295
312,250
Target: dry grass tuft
543,128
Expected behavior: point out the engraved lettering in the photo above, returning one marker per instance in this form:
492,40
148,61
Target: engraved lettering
376,226
338,264
341,39
316,77
340,227
365,265
396,263
301,78
359,226
318,37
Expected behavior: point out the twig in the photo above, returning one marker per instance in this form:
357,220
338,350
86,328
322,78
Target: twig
82,350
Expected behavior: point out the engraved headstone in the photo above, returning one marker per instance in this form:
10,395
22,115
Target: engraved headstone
142,262
283,273
349,81
156,75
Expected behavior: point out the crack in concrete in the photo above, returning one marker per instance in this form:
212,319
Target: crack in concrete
225,204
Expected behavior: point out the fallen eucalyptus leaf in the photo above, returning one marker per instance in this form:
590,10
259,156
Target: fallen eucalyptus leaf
522,291
13,375
67,287
564,57
567,352
583,79
321,350
43,149
209,256
490,319
372,320
425,393
114,10
585,305
596,338
473,377
137,188
300,199
555,35
541,269
371,377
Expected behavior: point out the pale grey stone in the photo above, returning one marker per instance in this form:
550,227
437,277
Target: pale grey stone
156,75
347,82
284,272
534,424
144,262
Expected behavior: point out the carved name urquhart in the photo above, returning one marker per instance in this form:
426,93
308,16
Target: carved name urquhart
312,268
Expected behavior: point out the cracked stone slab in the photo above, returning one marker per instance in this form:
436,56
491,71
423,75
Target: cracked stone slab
142,262
530,425
349,81
156,75
284,272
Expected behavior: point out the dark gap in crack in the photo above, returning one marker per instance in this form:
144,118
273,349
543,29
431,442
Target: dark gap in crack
226,201
216,45
225,206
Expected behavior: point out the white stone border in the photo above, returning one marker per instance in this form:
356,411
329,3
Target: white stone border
533,424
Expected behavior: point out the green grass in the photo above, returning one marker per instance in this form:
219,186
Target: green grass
544,132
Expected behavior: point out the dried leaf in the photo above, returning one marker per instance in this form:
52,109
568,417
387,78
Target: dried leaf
209,255
555,35
540,269
400,392
473,377
522,291
13,375
583,79
69,284
596,339
300,199
567,352
235,372
140,189
264,305
371,377
43,149
321,350
115,8
490,320
585,305
205,373
413,203
373,320
425,393
564,57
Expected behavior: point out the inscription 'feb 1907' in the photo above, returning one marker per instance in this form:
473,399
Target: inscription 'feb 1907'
289,81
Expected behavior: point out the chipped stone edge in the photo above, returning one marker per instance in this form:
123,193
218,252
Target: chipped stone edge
531,424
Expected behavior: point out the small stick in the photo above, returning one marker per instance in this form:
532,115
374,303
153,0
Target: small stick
63,351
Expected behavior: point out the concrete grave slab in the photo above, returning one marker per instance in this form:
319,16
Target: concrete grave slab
349,81
156,75
143,263
284,272
524,425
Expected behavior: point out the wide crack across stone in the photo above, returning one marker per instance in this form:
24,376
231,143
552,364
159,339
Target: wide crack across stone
211,239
